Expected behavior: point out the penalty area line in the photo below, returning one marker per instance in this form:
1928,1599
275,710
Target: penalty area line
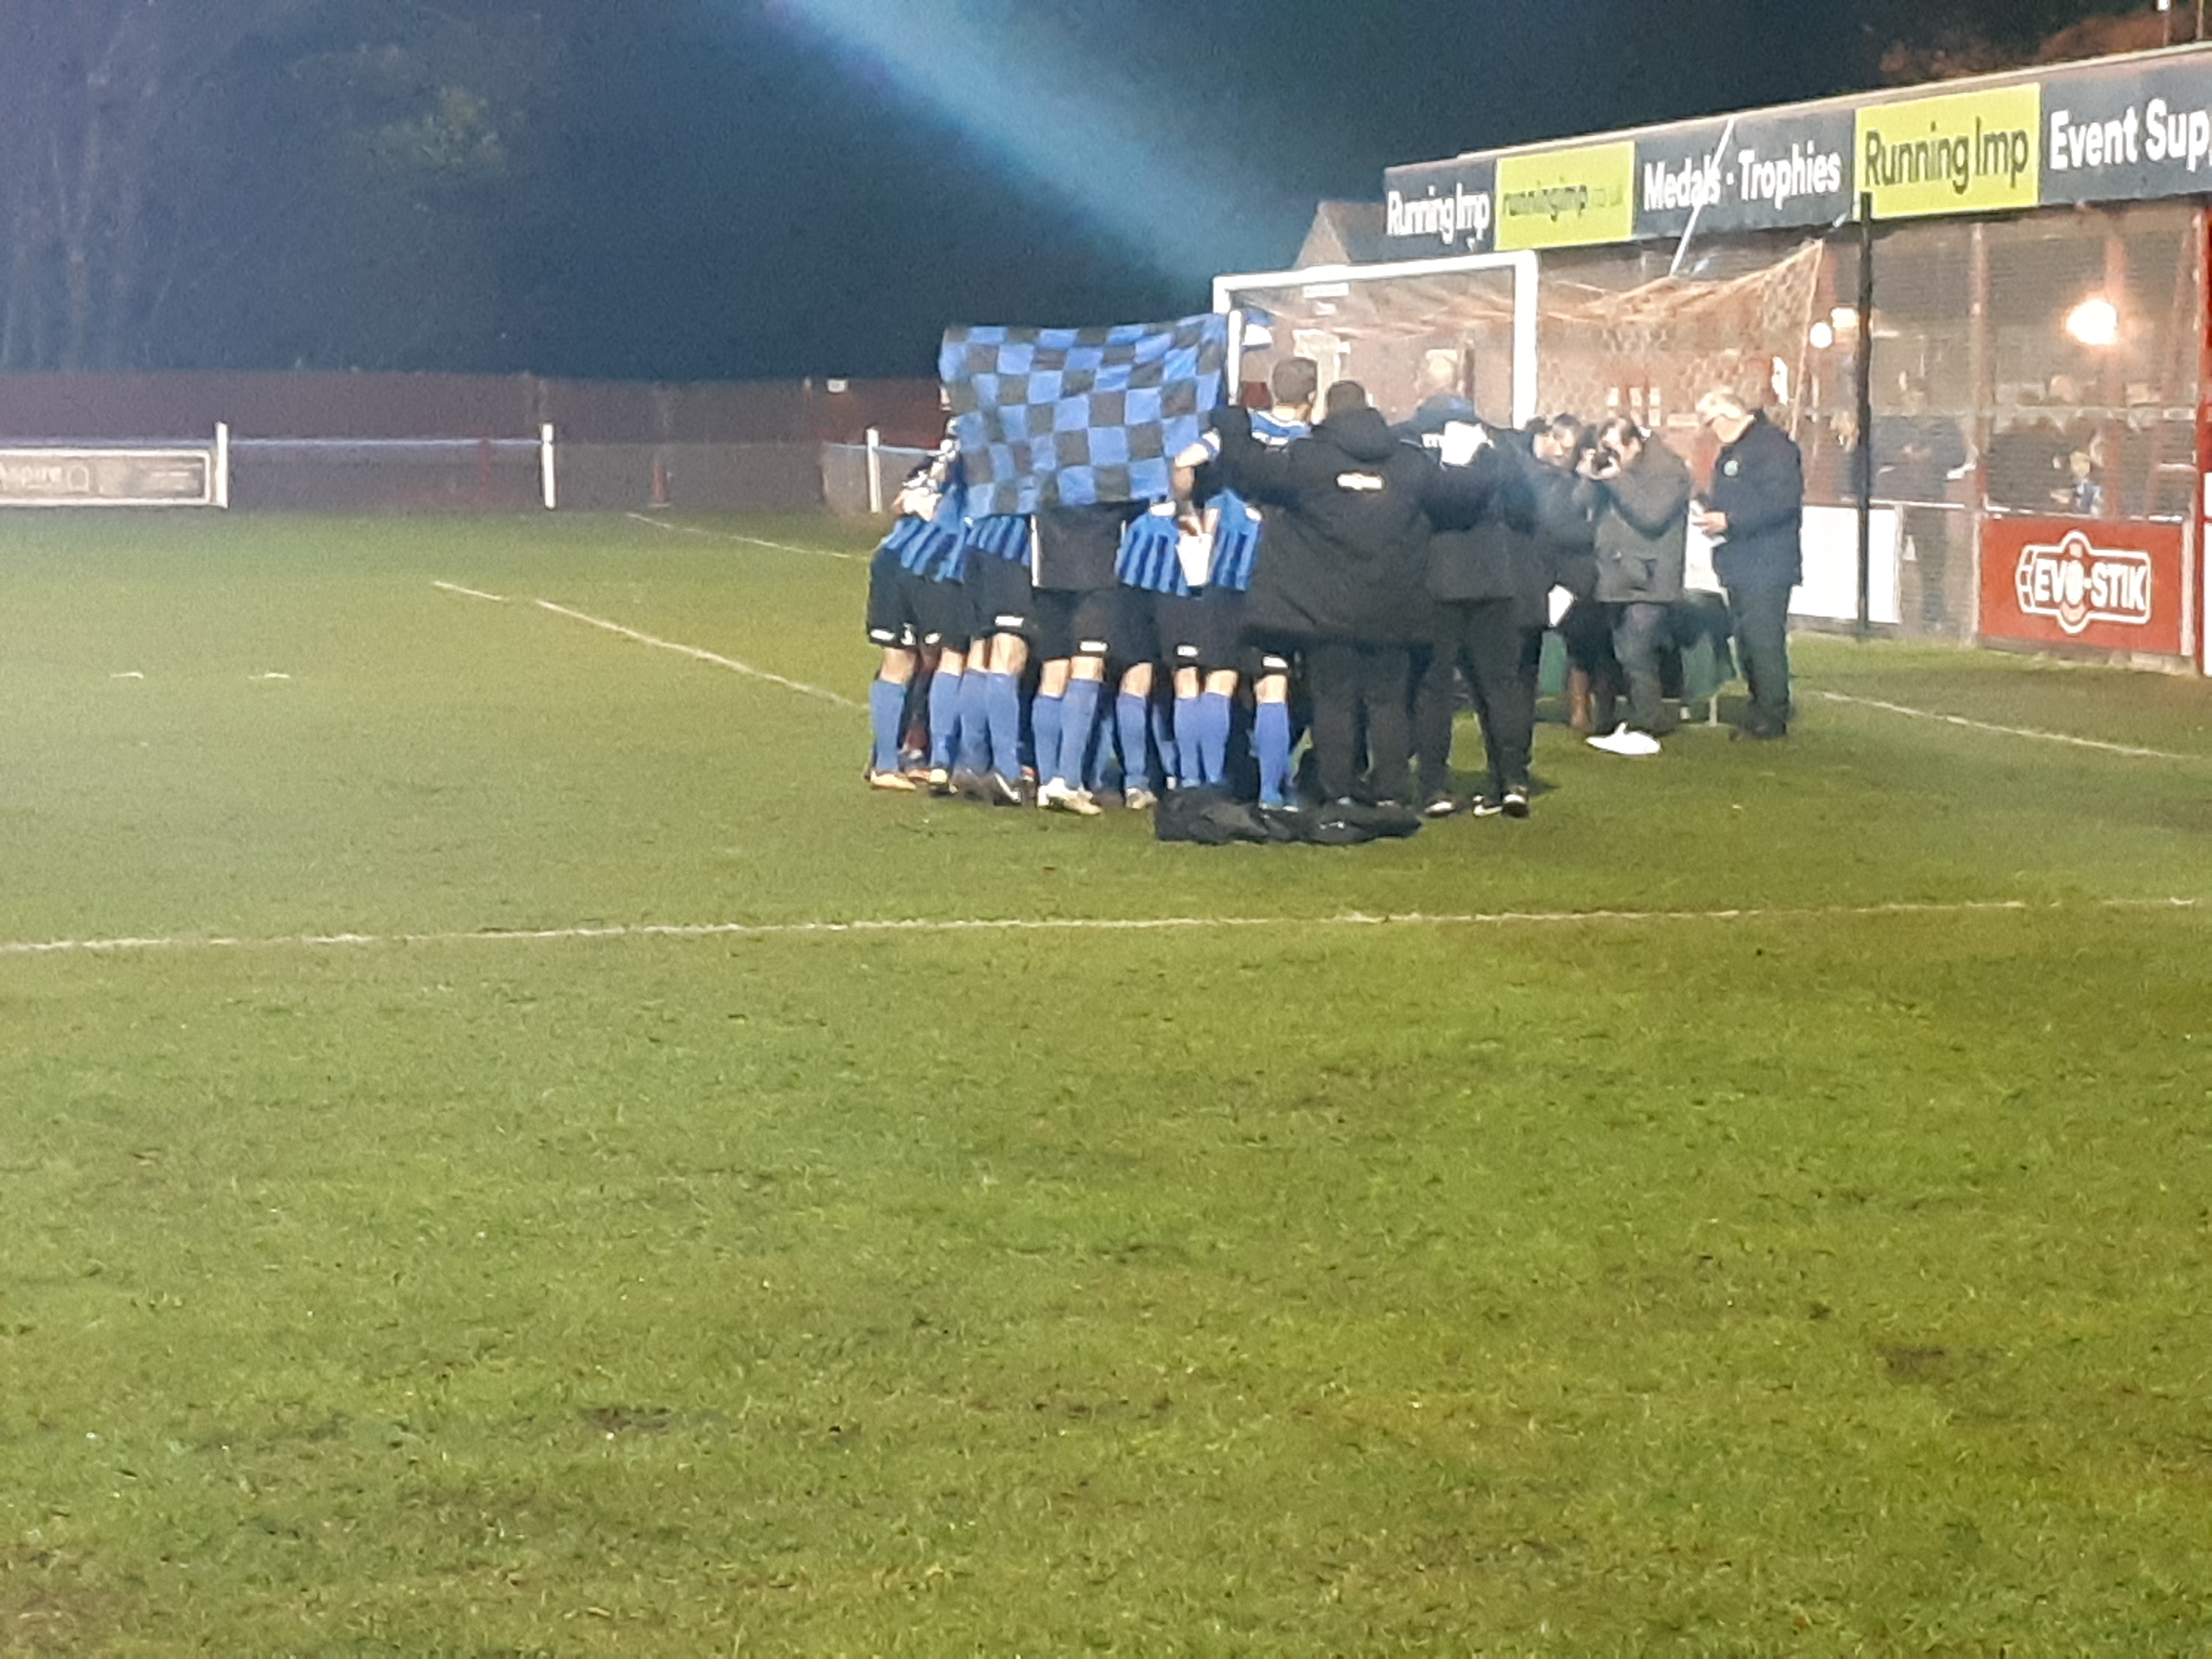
470,593
667,529
700,656
866,926
2129,750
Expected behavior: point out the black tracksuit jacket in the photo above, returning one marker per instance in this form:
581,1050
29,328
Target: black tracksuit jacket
1758,481
1346,556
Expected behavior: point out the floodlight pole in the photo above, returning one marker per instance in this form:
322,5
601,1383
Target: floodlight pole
1865,451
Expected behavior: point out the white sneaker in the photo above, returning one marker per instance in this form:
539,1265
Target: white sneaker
1139,799
1622,741
1057,795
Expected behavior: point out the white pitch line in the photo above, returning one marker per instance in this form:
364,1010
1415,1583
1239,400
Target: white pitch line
470,593
728,536
2010,731
694,652
866,926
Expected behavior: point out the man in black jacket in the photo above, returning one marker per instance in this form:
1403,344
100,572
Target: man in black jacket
1562,554
1343,574
1753,512
1478,576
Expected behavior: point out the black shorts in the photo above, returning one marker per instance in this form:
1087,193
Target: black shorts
1205,631
940,614
893,621
907,611
1136,632
1265,657
999,598
1075,622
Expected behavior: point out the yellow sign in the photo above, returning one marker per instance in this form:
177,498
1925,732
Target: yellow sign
1972,152
1567,197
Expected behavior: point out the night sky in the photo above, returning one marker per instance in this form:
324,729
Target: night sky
751,197
754,189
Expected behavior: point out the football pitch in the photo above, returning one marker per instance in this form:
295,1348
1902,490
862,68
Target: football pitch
505,1147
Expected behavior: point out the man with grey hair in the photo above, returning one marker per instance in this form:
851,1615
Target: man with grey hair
1753,511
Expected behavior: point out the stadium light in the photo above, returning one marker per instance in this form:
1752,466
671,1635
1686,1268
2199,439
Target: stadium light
2094,322
1001,70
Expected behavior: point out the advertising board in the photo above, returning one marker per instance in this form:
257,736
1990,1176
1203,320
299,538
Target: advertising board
2114,586
106,477
1566,198
1969,152
1442,208
1772,171
2126,131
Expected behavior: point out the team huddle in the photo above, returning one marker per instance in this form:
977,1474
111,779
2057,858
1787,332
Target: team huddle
1328,579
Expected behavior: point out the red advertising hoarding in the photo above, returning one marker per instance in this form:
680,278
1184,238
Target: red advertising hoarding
2108,585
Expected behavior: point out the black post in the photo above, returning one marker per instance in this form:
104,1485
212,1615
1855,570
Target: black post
1865,454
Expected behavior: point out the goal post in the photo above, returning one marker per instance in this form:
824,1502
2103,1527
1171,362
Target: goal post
1377,323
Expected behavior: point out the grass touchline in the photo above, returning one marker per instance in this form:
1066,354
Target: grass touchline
742,541
693,651
1047,925
2102,747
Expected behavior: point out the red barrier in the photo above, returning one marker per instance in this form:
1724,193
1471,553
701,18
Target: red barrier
2106,585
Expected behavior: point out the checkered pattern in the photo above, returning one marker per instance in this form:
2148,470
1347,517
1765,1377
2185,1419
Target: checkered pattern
1072,417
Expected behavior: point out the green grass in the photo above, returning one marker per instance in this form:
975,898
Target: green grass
1828,1280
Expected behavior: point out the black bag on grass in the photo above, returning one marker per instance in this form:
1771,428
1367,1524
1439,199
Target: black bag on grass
1210,818
1207,817
1347,822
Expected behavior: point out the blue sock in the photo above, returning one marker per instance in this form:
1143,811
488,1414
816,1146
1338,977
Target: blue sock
1004,703
1190,766
1104,773
975,720
1163,741
943,717
1078,713
1271,736
1129,711
1046,716
1213,717
886,707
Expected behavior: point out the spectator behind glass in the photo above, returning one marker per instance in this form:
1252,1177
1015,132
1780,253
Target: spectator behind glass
1914,452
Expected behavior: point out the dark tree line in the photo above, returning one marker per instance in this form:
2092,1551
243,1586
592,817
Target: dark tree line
1941,40
326,182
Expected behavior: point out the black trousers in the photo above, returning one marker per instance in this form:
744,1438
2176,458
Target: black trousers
1532,659
1761,616
1930,530
1482,639
1346,681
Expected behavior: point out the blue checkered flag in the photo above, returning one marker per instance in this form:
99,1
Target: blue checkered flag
1070,416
